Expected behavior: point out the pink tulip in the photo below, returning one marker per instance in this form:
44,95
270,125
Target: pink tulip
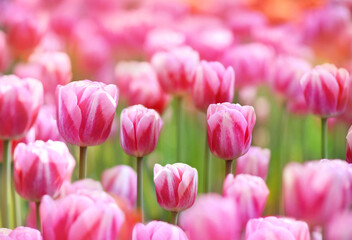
249,193
339,228
212,83
254,162
45,127
211,217
277,229
80,186
20,100
20,233
176,186
251,63
326,89
229,129
40,168
89,215
85,111
175,68
315,190
157,230
139,130
121,181
4,54
349,146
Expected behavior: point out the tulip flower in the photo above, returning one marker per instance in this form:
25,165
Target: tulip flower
338,227
139,134
45,127
85,112
176,187
315,190
249,193
157,230
20,233
4,54
254,162
276,229
211,217
121,181
229,131
349,146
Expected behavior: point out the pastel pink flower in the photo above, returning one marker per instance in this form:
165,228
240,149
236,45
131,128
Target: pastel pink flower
45,127
229,129
80,186
211,217
85,111
20,101
315,190
40,168
4,54
139,130
20,233
92,215
157,230
175,69
121,181
176,186
339,227
212,83
249,193
254,162
326,89
277,229
349,146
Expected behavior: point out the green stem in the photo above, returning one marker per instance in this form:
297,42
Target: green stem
6,183
206,166
82,162
324,138
174,217
37,213
140,185
17,207
228,167
179,128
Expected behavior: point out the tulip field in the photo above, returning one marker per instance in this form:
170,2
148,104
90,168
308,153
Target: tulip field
175,120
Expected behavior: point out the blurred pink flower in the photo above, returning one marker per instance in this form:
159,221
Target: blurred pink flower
4,53
157,230
349,146
339,227
20,233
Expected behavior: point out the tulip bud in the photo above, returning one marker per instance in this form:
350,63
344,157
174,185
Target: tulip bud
45,127
212,83
40,168
20,233
249,193
20,100
85,111
276,229
349,146
157,230
326,89
122,182
229,129
254,162
339,228
315,190
139,130
176,186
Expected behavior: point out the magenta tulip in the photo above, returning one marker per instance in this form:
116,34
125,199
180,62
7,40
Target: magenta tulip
20,233
326,89
339,228
212,83
85,112
277,229
157,230
140,128
20,100
349,146
176,186
121,181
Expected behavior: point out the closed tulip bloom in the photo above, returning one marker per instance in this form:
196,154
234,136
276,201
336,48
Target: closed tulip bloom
211,217
121,181
157,230
45,127
89,215
349,146
175,69
85,111
20,233
249,194
326,89
139,130
212,83
315,190
40,168
254,162
229,129
20,101
339,228
176,186
275,228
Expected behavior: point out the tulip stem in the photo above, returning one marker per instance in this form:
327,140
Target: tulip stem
324,139
6,184
140,185
206,166
179,128
82,162
17,207
228,167
37,214
174,217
